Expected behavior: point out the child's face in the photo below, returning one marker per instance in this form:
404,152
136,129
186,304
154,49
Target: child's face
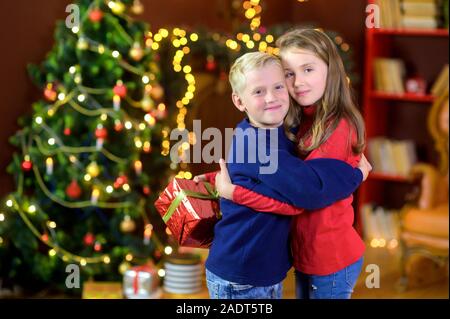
265,98
306,75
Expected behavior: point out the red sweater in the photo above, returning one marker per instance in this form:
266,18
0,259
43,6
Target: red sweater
323,241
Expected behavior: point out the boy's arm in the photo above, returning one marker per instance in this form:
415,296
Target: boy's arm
332,181
311,185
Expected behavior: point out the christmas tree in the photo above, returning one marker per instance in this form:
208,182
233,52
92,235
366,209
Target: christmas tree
92,156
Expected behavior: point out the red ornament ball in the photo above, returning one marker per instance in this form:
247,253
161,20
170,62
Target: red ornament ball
118,126
122,179
211,65
73,190
101,133
67,131
146,190
120,90
89,239
50,94
97,246
95,15
27,165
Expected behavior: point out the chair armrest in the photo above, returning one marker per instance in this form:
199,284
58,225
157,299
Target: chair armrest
428,176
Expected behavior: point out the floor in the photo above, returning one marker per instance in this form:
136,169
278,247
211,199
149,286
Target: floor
387,260
388,264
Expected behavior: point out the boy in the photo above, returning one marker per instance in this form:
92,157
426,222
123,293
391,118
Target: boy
249,256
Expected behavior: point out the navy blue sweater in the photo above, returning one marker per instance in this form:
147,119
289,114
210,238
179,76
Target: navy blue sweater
251,247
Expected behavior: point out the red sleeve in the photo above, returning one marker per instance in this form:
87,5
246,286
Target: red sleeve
339,145
211,177
261,203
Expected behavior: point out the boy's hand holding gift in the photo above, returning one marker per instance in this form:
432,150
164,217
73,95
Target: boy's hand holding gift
190,209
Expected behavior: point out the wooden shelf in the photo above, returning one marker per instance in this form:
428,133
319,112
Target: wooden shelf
412,32
407,97
388,177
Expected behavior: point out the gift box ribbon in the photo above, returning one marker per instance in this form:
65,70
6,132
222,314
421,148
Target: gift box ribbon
212,194
136,278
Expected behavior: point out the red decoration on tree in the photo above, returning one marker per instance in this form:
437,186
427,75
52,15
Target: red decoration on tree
101,132
146,190
118,126
95,15
122,179
67,131
44,237
89,239
97,246
73,190
120,89
49,93
157,254
210,63
27,165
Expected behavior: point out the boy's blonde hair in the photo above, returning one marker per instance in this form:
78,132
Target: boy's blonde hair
248,62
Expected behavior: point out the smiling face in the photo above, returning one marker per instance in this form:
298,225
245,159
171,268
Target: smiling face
306,75
265,97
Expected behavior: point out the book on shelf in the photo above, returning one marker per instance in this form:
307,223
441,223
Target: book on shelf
392,157
389,74
441,84
419,22
419,9
420,14
390,13
380,223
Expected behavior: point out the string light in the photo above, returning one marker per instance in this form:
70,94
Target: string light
168,250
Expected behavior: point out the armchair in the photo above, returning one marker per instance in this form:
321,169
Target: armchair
425,224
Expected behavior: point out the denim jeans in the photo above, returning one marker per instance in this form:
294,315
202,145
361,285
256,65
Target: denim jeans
223,289
338,285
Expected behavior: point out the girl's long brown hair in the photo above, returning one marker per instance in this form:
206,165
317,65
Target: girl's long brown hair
337,101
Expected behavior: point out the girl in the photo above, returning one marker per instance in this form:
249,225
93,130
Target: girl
327,251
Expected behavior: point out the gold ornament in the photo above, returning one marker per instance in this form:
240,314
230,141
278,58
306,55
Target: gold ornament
127,225
117,7
136,52
137,7
147,103
123,267
157,92
93,169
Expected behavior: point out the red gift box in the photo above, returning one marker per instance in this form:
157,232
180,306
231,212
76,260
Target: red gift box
190,210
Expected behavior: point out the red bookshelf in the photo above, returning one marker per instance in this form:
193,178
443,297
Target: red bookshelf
412,32
398,116
388,177
407,97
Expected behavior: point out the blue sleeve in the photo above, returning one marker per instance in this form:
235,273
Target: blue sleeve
309,184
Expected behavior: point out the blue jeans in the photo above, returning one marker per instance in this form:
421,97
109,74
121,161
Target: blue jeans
223,289
338,285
